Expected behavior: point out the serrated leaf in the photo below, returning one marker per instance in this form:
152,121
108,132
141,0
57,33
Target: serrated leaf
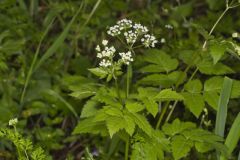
89,126
99,72
166,80
114,124
211,98
129,125
203,147
151,106
168,95
134,106
177,127
217,50
194,102
147,92
181,146
193,86
162,62
141,122
207,67
89,109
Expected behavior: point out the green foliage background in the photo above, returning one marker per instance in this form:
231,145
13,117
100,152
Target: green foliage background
47,47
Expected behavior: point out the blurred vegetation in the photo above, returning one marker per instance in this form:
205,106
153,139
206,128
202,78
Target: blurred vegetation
47,47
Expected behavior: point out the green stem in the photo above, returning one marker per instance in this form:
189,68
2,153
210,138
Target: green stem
215,24
164,109
117,90
129,75
127,148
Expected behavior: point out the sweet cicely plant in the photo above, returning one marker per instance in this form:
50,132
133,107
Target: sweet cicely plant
121,106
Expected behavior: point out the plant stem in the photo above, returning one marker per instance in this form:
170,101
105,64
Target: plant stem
117,90
162,114
214,26
129,70
127,148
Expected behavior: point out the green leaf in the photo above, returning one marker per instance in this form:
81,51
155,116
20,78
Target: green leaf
89,109
203,136
217,50
89,125
177,127
212,89
206,66
134,106
161,62
99,72
168,95
114,124
151,106
203,147
193,86
211,98
181,146
141,122
233,136
166,80
129,124
194,102
222,106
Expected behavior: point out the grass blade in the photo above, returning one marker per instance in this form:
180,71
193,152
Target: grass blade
222,106
233,136
92,12
58,41
68,105
29,74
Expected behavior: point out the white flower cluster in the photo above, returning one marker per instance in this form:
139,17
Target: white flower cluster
124,24
235,35
114,30
126,57
132,32
13,122
105,63
131,37
168,26
140,29
149,40
106,54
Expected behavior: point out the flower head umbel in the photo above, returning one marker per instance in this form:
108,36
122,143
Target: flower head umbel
149,40
13,122
132,32
126,58
132,35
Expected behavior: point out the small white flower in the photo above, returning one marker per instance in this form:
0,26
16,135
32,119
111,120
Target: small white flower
168,26
107,52
140,29
105,63
114,30
235,35
13,122
105,42
98,48
163,40
124,24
